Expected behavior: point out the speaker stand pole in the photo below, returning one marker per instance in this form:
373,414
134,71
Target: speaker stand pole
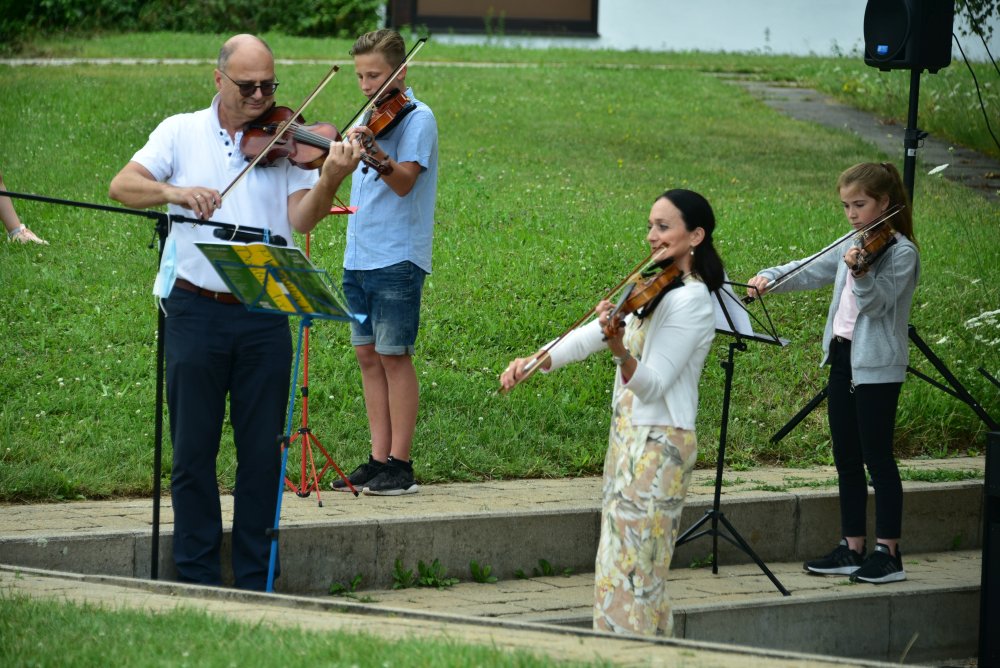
913,136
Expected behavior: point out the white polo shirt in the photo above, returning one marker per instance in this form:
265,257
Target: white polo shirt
192,149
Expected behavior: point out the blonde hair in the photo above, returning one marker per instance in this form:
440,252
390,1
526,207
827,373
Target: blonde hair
386,41
879,180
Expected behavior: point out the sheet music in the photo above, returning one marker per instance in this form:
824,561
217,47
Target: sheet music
737,311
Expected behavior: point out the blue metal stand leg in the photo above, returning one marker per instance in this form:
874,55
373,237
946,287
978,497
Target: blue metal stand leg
303,324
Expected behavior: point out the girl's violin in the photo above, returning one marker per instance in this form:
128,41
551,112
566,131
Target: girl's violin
305,146
873,242
642,296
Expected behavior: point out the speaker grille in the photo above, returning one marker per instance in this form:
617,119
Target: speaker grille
887,27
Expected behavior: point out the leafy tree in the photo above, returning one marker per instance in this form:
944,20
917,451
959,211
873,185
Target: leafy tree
979,15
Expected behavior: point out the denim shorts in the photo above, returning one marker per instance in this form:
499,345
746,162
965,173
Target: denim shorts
390,297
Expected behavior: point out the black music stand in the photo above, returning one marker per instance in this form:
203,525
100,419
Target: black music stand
741,333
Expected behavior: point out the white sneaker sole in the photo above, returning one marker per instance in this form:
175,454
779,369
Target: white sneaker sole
412,489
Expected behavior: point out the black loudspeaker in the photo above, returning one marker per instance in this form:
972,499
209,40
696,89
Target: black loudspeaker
909,34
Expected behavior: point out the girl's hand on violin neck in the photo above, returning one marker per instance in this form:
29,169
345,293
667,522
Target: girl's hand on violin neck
854,258
757,286
202,201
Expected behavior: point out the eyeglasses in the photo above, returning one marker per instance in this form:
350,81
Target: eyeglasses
247,88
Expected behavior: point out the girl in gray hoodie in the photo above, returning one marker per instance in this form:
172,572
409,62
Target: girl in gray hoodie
866,345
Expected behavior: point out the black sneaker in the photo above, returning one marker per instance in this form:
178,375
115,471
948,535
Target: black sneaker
881,567
396,478
359,476
842,561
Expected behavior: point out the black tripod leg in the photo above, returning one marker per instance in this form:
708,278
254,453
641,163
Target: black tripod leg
801,415
743,545
960,390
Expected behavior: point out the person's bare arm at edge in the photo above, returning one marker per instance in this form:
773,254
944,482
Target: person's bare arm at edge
307,207
135,187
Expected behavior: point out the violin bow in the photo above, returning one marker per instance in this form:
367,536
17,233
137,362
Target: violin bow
532,366
886,215
281,130
356,119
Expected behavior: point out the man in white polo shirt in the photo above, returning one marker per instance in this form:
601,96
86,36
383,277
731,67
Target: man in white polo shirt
214,346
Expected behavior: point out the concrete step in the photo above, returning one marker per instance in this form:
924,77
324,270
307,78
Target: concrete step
507,525
932,616
785,515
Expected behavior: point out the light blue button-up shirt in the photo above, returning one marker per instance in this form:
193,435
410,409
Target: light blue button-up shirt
389,229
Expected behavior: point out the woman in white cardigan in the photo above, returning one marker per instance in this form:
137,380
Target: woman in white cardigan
659,353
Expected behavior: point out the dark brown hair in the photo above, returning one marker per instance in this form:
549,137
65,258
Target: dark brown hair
878,180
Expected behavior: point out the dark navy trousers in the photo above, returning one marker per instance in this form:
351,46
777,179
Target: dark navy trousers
862,421
216,350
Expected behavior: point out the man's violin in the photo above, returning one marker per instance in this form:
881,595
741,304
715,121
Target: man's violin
305,146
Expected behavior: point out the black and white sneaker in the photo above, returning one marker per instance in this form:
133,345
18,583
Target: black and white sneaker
842,561
359,476
394,479
881,567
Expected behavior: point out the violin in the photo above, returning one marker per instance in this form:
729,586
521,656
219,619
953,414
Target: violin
305,146
873,243
645,293
876,229
642,282
388,111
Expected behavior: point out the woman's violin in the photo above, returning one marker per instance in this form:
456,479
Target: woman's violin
305,146
642,295
646,282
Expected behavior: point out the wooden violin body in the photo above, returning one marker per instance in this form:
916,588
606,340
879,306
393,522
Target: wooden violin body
873,242
305,146
642,295
388,111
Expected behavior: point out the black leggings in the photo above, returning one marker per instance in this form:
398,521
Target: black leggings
862,419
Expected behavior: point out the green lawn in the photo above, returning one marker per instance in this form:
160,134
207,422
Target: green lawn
549,164
51,633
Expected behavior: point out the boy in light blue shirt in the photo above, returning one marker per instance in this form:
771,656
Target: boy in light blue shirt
387,257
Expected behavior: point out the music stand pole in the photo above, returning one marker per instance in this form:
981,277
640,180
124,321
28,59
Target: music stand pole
715,514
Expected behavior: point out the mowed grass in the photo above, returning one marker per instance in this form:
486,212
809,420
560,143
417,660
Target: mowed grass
54,633
549,163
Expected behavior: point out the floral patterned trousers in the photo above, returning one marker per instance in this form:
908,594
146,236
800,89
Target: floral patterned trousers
646,475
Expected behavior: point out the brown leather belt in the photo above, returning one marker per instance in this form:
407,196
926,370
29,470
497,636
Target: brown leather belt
221,297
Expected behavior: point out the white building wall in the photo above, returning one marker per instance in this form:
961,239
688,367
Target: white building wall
799,27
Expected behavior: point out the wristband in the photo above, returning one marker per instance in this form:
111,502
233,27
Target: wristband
16,231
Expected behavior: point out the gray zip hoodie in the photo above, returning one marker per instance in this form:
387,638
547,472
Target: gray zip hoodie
880,348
